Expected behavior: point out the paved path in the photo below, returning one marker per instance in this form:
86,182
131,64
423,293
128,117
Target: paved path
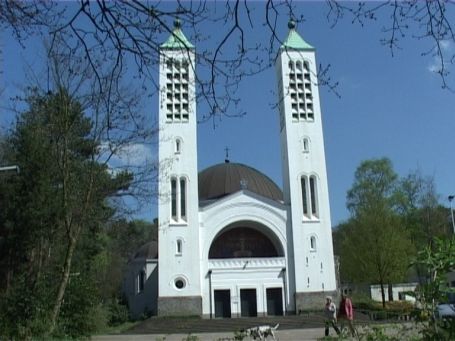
311,334
291,328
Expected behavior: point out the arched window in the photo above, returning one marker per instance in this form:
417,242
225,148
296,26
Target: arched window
306,66
306,145
141,278
183,198
309,196
313,196
178,146
291,65
304,195
178,247
178,199
313,243
174,198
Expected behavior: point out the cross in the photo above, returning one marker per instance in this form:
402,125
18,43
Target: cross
227,155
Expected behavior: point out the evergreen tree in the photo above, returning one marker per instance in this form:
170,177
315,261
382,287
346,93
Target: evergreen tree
54,216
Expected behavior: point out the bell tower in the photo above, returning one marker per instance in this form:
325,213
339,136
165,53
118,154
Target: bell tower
179,242
310,265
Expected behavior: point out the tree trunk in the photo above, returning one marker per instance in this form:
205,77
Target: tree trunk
382,294
9,271
72,241
390,292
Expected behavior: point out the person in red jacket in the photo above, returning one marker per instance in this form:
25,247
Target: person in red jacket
346,313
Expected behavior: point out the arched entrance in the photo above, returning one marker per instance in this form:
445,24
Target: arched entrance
241,242
247,263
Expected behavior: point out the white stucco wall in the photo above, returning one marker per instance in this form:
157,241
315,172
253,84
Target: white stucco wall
145,302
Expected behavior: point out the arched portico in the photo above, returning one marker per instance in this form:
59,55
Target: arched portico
245,239
247,276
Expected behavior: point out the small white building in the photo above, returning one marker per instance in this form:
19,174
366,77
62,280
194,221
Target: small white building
231,242
140,286
400,292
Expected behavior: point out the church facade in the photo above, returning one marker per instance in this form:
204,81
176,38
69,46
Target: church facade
231,243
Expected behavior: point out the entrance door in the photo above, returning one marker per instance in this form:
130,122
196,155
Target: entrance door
274,301
248,303
222,303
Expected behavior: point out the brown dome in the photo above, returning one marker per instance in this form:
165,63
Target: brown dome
148,251
226,178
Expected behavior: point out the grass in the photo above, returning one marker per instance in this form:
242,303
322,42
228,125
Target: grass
119,328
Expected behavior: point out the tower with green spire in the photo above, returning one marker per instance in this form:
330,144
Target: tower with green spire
311,268
179,288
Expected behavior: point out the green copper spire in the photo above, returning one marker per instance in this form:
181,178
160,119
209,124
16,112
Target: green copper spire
177,39
294,41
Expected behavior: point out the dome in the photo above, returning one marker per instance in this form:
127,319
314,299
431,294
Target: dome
226,178
148,251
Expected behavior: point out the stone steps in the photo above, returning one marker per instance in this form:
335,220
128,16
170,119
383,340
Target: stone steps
160,325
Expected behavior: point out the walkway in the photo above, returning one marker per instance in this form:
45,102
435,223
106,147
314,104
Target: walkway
291,328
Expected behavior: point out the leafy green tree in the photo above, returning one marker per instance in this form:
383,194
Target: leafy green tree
374,246
437,259
423,215
55,217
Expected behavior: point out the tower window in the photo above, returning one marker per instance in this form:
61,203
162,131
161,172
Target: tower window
306,145
178,247
313,193
313,243
304,195
178,146
169,64
174,199
291,66
309,196
178,199
183,198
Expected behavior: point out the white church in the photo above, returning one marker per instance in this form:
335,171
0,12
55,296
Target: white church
231,243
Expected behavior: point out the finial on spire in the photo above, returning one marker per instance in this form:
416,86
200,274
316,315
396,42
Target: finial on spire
177,23
291,24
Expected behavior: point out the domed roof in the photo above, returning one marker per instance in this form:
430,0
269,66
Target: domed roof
226,178
148,251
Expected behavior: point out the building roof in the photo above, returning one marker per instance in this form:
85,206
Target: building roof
294,41
177,39
226,178
148,251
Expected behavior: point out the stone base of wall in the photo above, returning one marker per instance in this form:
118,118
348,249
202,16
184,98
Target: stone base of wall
180,306
305,301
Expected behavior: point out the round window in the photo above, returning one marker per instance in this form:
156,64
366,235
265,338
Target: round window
179,283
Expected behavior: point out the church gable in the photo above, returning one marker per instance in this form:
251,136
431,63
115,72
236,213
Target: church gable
241,197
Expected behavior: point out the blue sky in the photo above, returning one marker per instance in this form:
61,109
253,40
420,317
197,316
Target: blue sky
389,107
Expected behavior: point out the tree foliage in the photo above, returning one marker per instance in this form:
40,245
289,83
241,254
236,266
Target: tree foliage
438,260
53,219
391,218
375,247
